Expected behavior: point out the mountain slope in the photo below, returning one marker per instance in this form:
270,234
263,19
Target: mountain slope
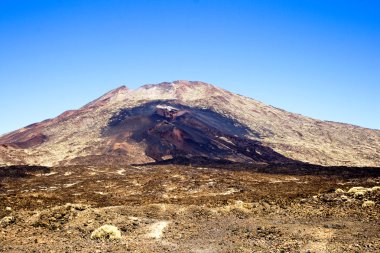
188,119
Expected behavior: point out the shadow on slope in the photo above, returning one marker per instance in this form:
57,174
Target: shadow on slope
19,171
169,130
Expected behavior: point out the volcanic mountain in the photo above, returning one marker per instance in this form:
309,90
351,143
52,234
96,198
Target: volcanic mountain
186,120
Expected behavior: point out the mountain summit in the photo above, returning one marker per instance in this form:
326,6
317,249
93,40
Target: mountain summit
186,120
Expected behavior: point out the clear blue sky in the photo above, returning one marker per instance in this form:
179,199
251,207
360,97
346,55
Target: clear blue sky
320,58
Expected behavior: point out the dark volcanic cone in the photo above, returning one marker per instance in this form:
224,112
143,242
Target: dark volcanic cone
170,130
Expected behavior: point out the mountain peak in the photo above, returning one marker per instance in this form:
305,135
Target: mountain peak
177,84
179,89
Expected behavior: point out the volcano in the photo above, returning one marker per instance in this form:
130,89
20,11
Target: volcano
179,120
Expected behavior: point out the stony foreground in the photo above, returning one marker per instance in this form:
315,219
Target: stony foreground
188,209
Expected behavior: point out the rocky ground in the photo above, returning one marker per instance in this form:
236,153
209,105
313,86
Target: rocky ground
173,208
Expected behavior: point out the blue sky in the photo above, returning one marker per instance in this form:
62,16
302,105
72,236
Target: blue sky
314,57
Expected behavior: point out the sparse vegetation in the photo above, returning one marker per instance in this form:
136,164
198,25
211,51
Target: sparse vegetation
357,189
7,220
177,208
368,203
106,232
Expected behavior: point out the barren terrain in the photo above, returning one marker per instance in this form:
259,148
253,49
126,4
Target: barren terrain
190,208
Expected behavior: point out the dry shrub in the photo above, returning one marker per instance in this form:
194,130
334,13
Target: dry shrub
368,203
106,232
